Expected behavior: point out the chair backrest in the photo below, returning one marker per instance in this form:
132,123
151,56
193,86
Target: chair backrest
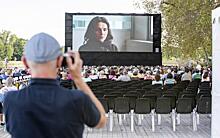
132,99
110,98
140,91
163,105
205,85
189,95
155,86
205,91
172,97
203,94
185,83
184,105
168,86
158,92
152,97
204,105
118,93
121,105
197,81
147,87
104,103
142,106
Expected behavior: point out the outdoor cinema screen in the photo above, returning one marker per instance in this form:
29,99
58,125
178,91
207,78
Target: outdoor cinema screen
94,33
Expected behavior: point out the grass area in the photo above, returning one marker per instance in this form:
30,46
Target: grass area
12,64
19,64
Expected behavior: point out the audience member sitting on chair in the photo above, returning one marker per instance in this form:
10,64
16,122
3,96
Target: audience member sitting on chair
205,76
9,86
169,79
124,77
196,75
157,80
186,75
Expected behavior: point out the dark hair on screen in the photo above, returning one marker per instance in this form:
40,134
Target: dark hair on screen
91,29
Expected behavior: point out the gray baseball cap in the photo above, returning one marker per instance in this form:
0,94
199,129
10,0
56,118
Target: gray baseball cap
42,48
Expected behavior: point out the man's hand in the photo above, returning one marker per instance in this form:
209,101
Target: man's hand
76,67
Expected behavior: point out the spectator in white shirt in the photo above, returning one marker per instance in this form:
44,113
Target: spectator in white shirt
187,75
124,77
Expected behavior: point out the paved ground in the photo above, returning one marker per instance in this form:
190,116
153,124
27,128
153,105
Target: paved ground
184,130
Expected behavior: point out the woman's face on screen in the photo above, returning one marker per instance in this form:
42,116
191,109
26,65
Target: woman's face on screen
101,31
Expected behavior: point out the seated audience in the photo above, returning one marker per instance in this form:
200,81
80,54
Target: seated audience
186,75
102,75
94,76
134,75
86,77
9,86
169,79
157,80
148,75
112,75
141,74
196,75
205,76
124,77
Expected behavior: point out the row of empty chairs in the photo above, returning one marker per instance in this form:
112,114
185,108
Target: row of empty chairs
122,105
139,97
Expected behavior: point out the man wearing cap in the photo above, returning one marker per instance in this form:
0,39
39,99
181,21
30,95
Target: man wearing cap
44,109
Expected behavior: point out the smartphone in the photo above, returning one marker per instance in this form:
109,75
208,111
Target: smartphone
64,63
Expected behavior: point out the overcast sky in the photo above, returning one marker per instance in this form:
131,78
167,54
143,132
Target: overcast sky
28,17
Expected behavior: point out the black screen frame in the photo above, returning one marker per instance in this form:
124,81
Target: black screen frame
119,58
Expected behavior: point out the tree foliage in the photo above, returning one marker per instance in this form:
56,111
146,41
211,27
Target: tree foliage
11,46
186,27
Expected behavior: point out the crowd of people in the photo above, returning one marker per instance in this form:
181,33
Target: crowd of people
158,74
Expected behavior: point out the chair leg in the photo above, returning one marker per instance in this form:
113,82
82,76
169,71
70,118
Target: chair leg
89,129
194,121
139,119
124,116
178,119
152,120
142,117
111,120
120,119
158,119
132,120
3,119
197,119
174,120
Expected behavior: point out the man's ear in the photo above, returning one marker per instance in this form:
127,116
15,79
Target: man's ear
24,60
59,61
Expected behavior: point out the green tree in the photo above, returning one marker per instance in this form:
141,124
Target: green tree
18,48
6,45
186,26
10,46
